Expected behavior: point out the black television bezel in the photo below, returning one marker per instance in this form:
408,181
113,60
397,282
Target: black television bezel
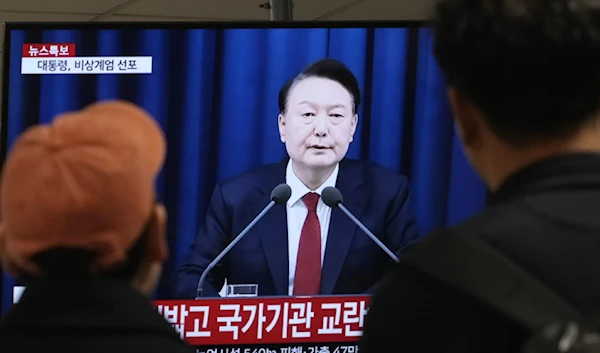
10,26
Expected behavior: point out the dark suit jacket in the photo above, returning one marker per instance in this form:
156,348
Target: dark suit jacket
546,218
353,263
86,316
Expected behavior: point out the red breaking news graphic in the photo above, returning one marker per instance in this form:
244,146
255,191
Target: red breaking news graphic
267,320
46,50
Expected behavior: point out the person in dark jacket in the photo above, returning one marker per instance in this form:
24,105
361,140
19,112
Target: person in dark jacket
524,85
80,227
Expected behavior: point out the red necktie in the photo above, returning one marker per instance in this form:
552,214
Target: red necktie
307,280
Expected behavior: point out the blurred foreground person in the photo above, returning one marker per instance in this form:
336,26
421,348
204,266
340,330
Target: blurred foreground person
524,85
81,228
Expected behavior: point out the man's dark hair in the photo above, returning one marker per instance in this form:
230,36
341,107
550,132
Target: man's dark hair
76,262
531,66
326,68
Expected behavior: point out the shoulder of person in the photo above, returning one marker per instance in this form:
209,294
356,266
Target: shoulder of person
374,173
263,178
255,175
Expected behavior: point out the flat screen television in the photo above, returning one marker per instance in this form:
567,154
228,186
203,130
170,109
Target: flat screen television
214,87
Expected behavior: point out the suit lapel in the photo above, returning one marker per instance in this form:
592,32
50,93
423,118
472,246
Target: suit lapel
274,236
273,231
341,228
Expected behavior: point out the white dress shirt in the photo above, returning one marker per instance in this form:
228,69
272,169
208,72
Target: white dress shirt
297,212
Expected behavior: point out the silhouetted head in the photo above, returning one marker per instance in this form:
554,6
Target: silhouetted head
77,197
521,74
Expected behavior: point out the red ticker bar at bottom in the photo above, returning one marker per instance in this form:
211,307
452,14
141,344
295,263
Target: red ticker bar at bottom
267,320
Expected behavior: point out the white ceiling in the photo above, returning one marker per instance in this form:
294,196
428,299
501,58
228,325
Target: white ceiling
208,10
199,10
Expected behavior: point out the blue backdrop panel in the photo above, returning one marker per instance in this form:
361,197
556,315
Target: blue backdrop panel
214,92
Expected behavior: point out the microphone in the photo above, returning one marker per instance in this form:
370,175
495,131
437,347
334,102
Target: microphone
280,195
333,198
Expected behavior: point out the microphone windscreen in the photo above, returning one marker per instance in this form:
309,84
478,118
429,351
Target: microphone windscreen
281,193
332,196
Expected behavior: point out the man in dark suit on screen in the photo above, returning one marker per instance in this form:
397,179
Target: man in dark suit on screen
306,248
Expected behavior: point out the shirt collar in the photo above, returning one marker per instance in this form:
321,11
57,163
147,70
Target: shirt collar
559,172
298,187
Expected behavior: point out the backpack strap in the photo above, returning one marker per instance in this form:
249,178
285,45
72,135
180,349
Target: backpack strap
476,268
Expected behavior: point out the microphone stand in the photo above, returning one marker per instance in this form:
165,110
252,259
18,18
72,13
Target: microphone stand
368,232
200,290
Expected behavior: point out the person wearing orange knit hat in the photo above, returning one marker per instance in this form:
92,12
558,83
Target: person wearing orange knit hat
80,225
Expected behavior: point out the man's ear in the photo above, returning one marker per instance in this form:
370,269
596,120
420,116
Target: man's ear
157,247
467,118
354,125
148,275
281,124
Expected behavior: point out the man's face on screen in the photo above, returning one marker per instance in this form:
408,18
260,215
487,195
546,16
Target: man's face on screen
319,122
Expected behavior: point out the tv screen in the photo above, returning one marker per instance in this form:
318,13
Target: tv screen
215,91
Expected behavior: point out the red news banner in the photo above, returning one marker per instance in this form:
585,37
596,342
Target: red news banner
65,50
267,320
62,59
